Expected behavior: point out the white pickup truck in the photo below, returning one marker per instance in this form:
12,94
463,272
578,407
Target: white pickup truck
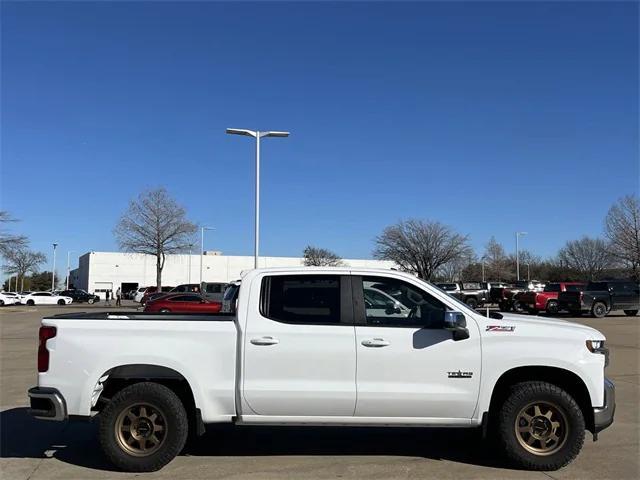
326,346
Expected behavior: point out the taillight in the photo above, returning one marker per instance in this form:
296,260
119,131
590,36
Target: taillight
43,354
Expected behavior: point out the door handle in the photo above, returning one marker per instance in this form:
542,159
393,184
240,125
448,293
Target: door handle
265,341
375,342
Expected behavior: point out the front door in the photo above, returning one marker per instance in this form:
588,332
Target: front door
408,365
299,350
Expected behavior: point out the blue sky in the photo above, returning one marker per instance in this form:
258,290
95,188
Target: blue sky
489,117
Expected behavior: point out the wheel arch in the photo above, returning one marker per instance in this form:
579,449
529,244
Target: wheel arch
117,378
565,379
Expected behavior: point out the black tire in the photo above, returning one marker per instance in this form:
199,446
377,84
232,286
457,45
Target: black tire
90,301
568,416
631,313
472,303
176,425
61,302
31,303
1,303
518,307
552,307
599,310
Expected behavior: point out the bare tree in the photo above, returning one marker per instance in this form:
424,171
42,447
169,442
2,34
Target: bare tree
587,256
154,224
421,247
320,257
9,242
22,261
622,228
496,260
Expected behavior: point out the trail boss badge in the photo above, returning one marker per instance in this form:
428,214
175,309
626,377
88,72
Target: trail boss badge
500,328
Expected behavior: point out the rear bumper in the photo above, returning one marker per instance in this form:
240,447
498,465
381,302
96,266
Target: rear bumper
47,404
603,416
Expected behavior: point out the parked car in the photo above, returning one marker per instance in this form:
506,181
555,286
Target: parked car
45,298
470,293
9,298
547,299
304,349
139,294
80,296
214,290
186,287
151,293
599,298
182,303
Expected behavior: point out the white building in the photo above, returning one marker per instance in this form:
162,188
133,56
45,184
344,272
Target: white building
101,271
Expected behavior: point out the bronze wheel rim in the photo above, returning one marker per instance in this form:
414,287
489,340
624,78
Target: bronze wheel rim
141,429
541,428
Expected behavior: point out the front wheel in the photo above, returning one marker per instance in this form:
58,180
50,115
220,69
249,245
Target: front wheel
552,307
472,303
90,301
143,427
631,313
60,302
541,426
31,303
599,310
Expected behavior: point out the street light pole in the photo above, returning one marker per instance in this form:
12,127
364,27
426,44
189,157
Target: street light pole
202,229
69,266
190,248
257,135
518,234
53,270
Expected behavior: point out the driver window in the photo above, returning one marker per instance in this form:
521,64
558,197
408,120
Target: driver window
394,303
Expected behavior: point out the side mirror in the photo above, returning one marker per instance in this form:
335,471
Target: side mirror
456,322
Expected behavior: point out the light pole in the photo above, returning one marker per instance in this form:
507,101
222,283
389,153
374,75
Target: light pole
69,266
53,270
528,272
202,250
518,235
257,135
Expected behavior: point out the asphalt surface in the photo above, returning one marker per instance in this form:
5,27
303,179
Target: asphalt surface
31,449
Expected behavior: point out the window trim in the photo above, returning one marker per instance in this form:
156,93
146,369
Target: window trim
361,314
346,303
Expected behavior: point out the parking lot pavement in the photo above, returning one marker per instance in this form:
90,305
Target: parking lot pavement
31,449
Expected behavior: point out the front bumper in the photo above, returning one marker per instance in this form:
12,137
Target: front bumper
47,404
603,416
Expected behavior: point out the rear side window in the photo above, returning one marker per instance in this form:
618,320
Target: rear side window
597,287
304,299
553,287
185,298
574,288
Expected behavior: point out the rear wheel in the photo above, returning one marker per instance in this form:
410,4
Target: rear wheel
31,303
631,313
541,426
518,307
1,303
90,301
472,302
599,310
552,307
143,427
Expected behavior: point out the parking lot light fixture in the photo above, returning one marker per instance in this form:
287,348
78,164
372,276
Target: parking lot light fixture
518,235
257,135
202,229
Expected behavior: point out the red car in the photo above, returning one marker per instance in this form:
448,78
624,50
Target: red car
182,303
547,299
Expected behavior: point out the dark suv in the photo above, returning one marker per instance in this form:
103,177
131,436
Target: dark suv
599,298
80,296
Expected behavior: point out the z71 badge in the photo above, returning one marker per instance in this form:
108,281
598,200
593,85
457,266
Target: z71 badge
460,374
500,328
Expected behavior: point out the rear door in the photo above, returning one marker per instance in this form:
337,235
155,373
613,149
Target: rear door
625,295
299,346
